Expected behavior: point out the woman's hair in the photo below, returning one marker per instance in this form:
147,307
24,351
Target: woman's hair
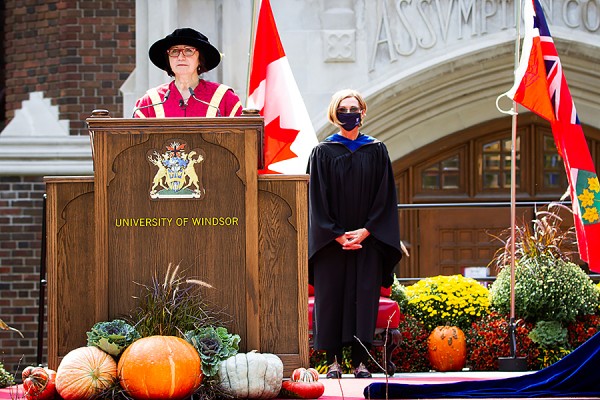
337,98
201,68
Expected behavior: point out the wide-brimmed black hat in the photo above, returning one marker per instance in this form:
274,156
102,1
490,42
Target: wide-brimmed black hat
186,36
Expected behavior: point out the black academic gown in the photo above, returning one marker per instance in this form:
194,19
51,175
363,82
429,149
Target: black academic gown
350,190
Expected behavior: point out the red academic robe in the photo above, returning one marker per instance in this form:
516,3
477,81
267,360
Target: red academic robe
224,102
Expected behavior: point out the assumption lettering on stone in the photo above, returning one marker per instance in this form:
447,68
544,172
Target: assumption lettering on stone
405,27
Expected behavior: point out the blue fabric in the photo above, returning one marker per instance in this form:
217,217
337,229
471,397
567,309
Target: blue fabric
350,144
573,376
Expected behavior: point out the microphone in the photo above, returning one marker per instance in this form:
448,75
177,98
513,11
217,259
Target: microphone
204,102
167,94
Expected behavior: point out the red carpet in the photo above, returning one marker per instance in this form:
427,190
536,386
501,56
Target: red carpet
352,389
349,388
12,393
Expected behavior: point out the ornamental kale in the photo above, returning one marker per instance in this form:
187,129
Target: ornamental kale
214,345
113,337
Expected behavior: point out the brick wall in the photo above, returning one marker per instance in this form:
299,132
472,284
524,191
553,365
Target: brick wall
21,200
78,53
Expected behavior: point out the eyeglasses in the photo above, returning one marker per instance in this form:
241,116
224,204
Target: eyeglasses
187,51
351,110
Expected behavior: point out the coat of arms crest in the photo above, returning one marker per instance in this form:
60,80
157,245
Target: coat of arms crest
177,175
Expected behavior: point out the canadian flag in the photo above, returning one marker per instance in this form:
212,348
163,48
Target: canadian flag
289,135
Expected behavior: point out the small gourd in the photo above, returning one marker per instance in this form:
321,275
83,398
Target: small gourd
303,384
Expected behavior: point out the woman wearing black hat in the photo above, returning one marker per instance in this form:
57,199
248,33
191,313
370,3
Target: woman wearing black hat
185,54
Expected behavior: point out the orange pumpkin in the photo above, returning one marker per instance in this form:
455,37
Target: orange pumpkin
85,372
160,367
447,348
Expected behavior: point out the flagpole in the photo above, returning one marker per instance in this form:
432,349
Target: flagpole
515,364
255,4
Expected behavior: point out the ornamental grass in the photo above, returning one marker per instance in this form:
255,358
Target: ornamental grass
548,285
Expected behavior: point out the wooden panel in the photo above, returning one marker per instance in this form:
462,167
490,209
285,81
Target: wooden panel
215,254
70,241
283,266
454,238
264,292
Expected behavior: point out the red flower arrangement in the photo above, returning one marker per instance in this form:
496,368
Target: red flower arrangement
411,354
487,340
583,328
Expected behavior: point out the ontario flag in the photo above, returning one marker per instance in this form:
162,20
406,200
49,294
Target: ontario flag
289,135
540,85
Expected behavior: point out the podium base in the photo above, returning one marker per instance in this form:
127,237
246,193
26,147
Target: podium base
512,364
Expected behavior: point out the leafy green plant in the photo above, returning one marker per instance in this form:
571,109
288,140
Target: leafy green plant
546,289
549,334
549,356
214,345
399,295
548,286
112,336
6,379
447,300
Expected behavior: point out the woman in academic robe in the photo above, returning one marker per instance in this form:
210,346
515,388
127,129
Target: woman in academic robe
185,55
354,239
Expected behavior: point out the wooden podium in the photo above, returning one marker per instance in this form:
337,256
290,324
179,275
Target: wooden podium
182,192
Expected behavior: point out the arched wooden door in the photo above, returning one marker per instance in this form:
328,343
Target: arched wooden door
473,166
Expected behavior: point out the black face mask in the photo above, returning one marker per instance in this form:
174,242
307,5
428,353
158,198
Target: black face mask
349,120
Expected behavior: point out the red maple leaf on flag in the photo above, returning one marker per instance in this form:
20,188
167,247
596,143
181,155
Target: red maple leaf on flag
289,135
278,142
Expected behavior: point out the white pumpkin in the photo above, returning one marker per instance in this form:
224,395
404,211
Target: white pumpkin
252,375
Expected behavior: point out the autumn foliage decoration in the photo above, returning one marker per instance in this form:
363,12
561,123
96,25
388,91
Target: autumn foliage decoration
488,340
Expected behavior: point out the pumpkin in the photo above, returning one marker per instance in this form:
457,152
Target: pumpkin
85,372
303,384
160,367
39,383
252,375
447,348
